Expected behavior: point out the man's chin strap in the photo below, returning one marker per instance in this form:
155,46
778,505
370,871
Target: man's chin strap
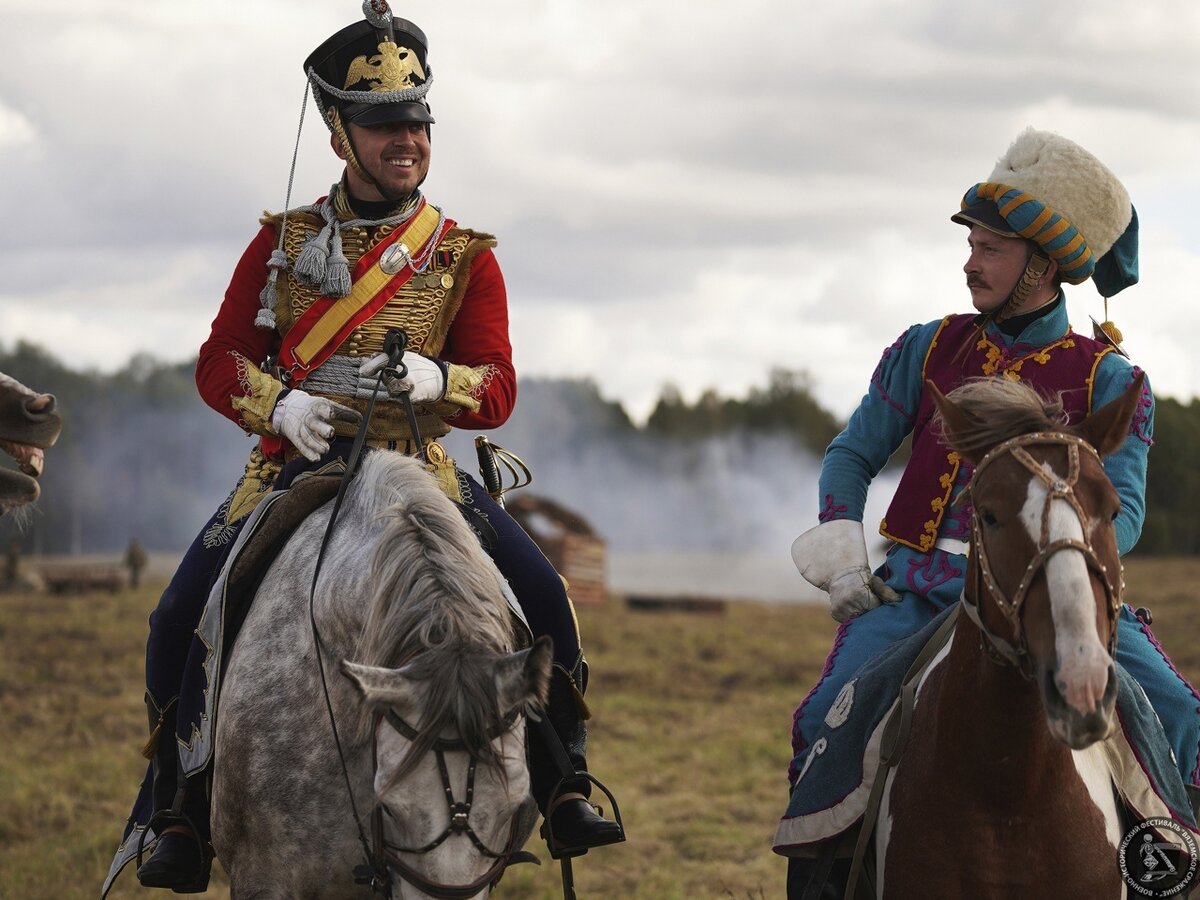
1034,270
335,122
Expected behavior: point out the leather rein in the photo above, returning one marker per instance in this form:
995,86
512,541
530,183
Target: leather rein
985,583
380,859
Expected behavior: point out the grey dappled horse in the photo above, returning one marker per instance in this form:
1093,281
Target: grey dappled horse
29,423
407,593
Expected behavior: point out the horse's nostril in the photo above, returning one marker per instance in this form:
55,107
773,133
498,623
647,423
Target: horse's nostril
40,406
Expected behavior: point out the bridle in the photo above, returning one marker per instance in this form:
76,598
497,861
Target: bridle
387,856
985,581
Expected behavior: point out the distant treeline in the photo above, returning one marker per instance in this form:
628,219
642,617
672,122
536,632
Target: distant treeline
142,456
785,406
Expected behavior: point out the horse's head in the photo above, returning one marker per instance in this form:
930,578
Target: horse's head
451,781
1044,577
29,423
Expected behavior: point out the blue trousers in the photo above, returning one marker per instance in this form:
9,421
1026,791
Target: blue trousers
928,584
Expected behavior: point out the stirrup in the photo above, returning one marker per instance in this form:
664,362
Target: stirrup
557,850
166,818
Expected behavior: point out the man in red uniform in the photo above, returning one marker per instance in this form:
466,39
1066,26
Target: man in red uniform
315,294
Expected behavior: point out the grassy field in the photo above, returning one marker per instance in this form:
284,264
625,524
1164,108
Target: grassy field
692,715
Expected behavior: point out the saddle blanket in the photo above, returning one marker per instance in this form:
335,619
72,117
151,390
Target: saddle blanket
226,609
838,769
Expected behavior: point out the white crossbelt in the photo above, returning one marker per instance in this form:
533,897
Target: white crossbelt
952,545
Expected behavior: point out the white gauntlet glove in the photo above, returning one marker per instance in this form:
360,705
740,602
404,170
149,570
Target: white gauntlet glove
424,383
833,557
307,421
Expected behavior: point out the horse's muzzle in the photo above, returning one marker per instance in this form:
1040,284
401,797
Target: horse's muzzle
1078,730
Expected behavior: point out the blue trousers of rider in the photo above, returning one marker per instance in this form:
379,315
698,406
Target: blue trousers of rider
928,584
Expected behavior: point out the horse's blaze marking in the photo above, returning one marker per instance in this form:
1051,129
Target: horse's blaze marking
1082,660
1094,772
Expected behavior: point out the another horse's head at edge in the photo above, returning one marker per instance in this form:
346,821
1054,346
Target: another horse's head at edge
29,423
1044,573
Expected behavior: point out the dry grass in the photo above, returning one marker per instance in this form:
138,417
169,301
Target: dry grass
691,732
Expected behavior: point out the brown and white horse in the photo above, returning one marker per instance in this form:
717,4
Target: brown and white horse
1001,791
29,423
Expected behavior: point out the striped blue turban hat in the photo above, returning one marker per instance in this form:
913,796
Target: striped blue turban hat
1053,192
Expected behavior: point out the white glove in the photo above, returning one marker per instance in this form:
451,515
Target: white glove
307,421
833,557
424,383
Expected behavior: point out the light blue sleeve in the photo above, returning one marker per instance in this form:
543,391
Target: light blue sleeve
877,428
1126,467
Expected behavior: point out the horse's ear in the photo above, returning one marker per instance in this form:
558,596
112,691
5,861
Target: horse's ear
381,687
524,677
955,420
1107,427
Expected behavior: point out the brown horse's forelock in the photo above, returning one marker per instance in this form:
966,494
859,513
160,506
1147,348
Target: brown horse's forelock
999,408
436,607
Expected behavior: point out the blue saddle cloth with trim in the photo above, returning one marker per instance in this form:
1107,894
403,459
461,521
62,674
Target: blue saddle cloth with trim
835,773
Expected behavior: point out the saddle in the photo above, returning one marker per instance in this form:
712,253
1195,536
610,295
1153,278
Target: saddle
277,523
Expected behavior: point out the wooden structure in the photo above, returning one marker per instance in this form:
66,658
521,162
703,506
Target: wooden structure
568,541
79,578
690,604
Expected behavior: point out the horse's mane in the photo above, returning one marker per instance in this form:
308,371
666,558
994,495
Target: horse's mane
436,605
999,408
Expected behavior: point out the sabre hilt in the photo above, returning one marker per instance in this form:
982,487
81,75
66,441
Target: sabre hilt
488,470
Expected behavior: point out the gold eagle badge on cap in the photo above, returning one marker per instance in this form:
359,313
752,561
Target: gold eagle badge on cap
391,70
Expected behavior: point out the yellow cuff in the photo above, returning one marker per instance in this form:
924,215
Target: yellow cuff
464,388
254,408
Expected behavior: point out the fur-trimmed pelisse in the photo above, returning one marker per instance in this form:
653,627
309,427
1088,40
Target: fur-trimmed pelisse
1054,192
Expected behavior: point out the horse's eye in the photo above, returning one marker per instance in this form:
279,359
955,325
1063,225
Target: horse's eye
989,517
1116,512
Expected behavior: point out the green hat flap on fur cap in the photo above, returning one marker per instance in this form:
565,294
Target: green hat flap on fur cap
1053,192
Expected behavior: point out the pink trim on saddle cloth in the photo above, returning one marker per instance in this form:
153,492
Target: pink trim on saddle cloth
1195,776
1149,783
798,742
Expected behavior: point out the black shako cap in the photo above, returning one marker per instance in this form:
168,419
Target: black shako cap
359,59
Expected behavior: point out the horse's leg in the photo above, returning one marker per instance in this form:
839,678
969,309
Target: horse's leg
543,598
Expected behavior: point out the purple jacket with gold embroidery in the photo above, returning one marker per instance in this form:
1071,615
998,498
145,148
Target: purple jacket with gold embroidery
1046,355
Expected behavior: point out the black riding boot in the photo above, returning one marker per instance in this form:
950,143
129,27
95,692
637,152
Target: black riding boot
181,861
817,878
572,824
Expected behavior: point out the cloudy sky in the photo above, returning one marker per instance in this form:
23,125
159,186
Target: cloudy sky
685,192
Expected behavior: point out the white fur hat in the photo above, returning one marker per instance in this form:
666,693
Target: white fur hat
1069,180
1050,190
